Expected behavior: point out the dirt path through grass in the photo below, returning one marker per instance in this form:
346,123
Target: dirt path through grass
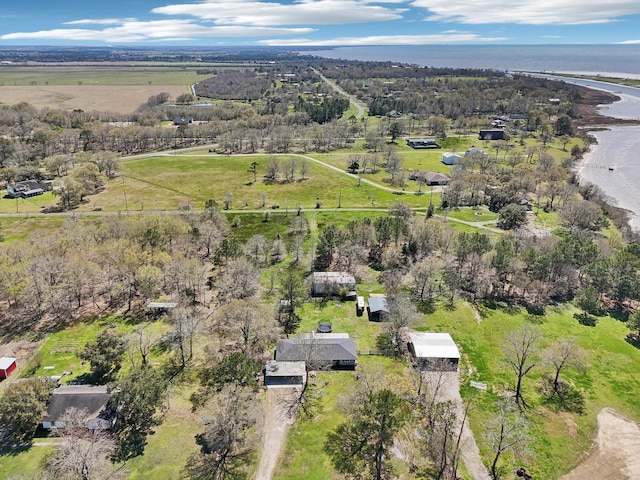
274,434
469,452
614,454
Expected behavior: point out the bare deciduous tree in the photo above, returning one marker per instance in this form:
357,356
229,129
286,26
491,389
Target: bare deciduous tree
507,432
520,350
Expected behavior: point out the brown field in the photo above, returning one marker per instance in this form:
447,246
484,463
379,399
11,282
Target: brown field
106,98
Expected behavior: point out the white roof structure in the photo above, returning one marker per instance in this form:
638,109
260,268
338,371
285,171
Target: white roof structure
6,362
324,335
434,345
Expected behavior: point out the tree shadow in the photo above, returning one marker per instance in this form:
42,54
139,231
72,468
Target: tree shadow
619,314
633,339
585,319
12,448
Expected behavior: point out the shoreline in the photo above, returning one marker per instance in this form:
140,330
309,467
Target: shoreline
609,163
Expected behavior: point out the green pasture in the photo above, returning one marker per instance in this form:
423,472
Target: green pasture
21,228
100,75
163,183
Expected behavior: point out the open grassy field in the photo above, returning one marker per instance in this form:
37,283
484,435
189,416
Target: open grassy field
163,183
13,229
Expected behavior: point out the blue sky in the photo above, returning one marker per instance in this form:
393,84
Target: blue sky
318,22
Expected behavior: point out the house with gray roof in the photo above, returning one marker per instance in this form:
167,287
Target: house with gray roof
91,398
319,351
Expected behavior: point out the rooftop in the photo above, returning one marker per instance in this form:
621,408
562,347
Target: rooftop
284,369
434,345
325,347
6,362
89,397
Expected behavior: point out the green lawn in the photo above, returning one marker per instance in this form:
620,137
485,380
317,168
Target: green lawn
14,229
26,205
163,183
303,456
470,214
342,316
28,463
60,348
610,380
172,443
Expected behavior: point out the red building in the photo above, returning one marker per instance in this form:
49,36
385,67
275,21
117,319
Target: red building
7,365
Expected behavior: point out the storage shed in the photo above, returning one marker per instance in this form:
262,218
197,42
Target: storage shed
434,351
449,158
378,309
7,365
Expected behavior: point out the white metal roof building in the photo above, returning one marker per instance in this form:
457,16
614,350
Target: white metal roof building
428,348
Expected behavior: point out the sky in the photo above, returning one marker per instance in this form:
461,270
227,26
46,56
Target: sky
318,22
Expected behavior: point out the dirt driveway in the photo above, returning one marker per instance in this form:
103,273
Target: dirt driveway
274,433
615,453
449,389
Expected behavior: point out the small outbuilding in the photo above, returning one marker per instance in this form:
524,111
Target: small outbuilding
360,306
91,398
378,309
434,351
284,374
7,365
449,158
331,283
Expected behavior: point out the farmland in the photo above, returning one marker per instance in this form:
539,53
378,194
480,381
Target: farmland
92,87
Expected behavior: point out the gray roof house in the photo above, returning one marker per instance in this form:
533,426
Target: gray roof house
91,398
320,350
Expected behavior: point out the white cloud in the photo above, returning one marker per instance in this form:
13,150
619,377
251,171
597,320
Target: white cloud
100,21
529,12
303,12
629,42
438,38
163,30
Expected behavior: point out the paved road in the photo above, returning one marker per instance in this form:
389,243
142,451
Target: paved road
352,99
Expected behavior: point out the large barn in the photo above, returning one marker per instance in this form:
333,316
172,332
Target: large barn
434,351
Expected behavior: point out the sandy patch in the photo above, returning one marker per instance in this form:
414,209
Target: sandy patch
614,454
104,98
